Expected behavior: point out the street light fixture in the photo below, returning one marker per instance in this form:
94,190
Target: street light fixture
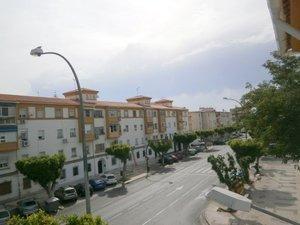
232,99
39,52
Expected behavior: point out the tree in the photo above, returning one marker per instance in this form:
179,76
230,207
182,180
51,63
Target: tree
246,152
122,152
160,147
185,139
41,218
271,111
44,170
226,172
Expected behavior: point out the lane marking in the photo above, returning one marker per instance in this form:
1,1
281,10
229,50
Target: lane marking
172,203
172,192
115,216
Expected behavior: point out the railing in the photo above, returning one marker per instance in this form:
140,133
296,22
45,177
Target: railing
8,146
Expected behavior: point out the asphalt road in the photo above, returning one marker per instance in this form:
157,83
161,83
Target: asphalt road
172,197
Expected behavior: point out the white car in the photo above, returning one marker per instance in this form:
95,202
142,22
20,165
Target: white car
4,215
110,179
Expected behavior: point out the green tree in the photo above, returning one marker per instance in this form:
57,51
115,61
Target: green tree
44,170
226,172
86,219
122,152
246,152
160,147
271,111
185,139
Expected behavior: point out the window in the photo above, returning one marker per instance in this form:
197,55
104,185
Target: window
71,112
40,113
141,113
2,139
142,127
89,167
41,135
98,114
26,183
169,125
135,127
23,113
4,111
126,129
136,141
73,152
120,142
134,113
3,164
125,113
113,113
137,154
142,140
113,161
154,114
174,124
61,151
99,148
5,188
58,112
60,133
155,126
99,131
144,153
75,171
63,174
128,141
113,128
150,151
87,148
72,132
87,113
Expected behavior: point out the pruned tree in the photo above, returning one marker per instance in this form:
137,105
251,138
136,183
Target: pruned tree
246,152
185,139
44,170
122,152
226,172
160,147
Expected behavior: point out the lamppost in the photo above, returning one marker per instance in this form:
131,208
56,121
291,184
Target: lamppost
39,52
237,101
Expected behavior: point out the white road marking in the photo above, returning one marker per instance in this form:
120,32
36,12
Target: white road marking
114,216
172,203
205,171
172,192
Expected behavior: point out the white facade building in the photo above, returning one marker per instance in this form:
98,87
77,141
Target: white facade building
31,126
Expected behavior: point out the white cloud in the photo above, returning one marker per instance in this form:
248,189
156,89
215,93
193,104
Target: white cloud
213,98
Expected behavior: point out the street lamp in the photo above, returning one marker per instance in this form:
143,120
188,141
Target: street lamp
38,52
232,99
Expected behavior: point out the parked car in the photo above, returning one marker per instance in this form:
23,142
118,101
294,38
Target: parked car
192,151
174,157
179,155
66,194
4,215
80,189
27,207
110,179
98,184
167,159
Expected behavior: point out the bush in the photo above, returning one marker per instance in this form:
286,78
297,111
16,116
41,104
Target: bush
41,218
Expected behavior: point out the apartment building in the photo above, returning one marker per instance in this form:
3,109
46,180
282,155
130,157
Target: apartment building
209,119
32,126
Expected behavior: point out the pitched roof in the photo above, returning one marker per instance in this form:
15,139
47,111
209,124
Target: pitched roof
163,100
118,104
138,97
83,90
36,100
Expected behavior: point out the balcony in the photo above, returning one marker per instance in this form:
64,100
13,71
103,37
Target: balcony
89,120
149,119
90,136
8,146
112,135
113,119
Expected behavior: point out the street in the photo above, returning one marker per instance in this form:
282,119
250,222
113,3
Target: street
174,196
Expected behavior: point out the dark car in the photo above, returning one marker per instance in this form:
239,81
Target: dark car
97,184
27,207
80,189
66,194
167,160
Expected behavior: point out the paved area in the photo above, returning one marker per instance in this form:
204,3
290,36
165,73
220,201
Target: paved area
174,196
278,192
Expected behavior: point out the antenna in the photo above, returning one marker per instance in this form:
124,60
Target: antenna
54,94
137,91
38,93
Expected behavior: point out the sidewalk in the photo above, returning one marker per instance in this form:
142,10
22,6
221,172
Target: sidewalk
278,192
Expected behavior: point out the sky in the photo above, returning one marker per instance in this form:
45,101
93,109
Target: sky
194,52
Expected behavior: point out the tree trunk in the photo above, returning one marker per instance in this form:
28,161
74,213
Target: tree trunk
257,165
162,159
124,174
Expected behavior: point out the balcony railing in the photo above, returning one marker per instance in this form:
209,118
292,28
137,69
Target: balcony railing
115,134
8,146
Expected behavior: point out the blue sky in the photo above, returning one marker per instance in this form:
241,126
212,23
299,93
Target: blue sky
192,51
